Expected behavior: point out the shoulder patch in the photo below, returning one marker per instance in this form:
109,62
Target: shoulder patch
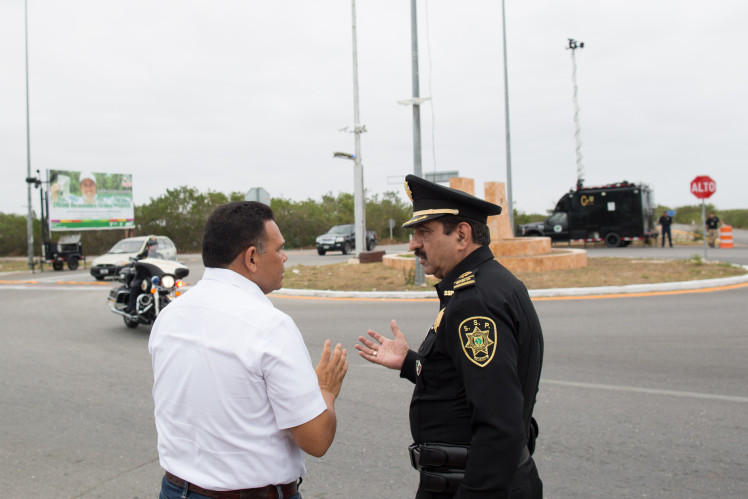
479,338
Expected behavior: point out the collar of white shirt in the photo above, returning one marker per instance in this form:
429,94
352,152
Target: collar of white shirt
234,279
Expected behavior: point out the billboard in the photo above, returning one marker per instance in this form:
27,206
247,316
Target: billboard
90,200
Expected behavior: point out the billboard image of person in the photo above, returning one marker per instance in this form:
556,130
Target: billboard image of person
90,200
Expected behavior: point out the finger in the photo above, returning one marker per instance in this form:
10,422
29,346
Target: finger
325,357
336,353
396,330
368,343
378,337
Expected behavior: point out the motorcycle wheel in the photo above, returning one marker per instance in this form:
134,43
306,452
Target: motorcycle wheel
130,324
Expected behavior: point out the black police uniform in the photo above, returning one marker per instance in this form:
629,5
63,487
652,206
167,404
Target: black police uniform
476,377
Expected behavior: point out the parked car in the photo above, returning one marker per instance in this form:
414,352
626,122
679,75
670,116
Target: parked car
110,263
343,238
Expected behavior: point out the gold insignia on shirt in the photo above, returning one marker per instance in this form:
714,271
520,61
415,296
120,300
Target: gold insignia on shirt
449,292
466,279
438,320
478,338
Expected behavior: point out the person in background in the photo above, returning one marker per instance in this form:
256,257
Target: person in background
712,229
237,401
666,221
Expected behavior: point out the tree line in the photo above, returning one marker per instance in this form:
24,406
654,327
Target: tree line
180,214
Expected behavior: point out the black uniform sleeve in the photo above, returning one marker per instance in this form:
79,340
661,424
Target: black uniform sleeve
408,371
482,341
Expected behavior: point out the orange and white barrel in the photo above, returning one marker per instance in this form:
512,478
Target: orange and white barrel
725,236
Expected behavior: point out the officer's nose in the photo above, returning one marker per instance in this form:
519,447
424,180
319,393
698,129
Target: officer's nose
415,243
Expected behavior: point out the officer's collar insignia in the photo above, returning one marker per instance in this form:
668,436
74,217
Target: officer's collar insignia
449,292
438,320
465,280
478,338
408,191
419,366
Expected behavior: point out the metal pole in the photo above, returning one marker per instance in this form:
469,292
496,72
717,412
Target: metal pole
420,276
358,169
573,45
510,204
30,214
703,225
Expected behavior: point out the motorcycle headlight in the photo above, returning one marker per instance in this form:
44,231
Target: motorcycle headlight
167,281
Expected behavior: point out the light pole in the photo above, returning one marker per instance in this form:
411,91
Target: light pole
573,46
510,205
30,213
420,277
359,212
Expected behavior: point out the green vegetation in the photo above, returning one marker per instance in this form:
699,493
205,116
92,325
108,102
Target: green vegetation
181,213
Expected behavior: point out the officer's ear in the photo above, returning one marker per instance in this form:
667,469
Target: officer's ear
464,234
250,259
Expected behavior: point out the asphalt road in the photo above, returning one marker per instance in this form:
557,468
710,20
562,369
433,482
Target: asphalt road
640,397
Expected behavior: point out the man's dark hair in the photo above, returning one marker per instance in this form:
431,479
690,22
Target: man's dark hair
481,233
231,229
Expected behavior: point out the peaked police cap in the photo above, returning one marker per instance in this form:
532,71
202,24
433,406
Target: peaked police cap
432,200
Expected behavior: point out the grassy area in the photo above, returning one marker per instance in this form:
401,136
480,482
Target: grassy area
599,272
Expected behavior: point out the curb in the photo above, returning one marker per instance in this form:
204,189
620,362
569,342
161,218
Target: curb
534,293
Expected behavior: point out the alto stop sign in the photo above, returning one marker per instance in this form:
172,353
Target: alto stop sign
703,187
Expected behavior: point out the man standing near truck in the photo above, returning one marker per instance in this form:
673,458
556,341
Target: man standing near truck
712,229
666,221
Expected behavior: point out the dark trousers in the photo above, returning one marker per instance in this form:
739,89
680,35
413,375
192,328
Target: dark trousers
666,231
527,485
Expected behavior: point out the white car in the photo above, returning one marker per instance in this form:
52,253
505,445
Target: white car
110,263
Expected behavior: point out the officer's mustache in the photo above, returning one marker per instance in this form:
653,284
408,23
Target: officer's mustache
420,254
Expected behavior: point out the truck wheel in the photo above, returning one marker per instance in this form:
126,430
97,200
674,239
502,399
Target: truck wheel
57,265
73,263
346,248
612,240
130,324
320,251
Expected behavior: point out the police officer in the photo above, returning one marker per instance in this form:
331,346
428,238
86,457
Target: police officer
476,373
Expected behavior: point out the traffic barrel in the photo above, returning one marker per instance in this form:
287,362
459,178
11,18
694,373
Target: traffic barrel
725,236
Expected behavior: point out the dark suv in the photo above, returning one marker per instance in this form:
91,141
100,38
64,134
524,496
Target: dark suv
343,238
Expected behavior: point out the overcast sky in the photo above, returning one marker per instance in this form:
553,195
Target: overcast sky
233,94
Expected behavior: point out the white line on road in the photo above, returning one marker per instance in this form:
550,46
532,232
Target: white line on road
650,391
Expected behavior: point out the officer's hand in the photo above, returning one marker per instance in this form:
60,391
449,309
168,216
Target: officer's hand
383,351
331,369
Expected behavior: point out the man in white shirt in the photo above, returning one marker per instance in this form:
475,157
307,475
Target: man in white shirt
237,401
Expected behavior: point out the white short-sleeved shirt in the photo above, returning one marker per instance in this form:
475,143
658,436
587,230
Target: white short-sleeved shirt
231,376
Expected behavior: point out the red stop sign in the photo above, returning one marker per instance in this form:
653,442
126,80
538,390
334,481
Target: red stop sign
703,187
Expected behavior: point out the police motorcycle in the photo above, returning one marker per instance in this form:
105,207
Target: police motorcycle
147,285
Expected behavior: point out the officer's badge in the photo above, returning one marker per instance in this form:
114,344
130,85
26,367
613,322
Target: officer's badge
408,191
478,338
419,366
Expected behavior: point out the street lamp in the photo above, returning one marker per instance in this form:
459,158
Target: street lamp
573,46
359,213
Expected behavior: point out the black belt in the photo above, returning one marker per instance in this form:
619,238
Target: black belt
442,466
267,492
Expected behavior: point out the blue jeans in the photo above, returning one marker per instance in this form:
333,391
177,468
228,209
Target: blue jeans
171,491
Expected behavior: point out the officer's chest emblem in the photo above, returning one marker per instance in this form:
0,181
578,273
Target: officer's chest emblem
419,366
478,339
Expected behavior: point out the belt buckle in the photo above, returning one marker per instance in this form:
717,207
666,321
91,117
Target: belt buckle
415,454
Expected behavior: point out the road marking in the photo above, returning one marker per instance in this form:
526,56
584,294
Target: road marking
650,391
648,293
